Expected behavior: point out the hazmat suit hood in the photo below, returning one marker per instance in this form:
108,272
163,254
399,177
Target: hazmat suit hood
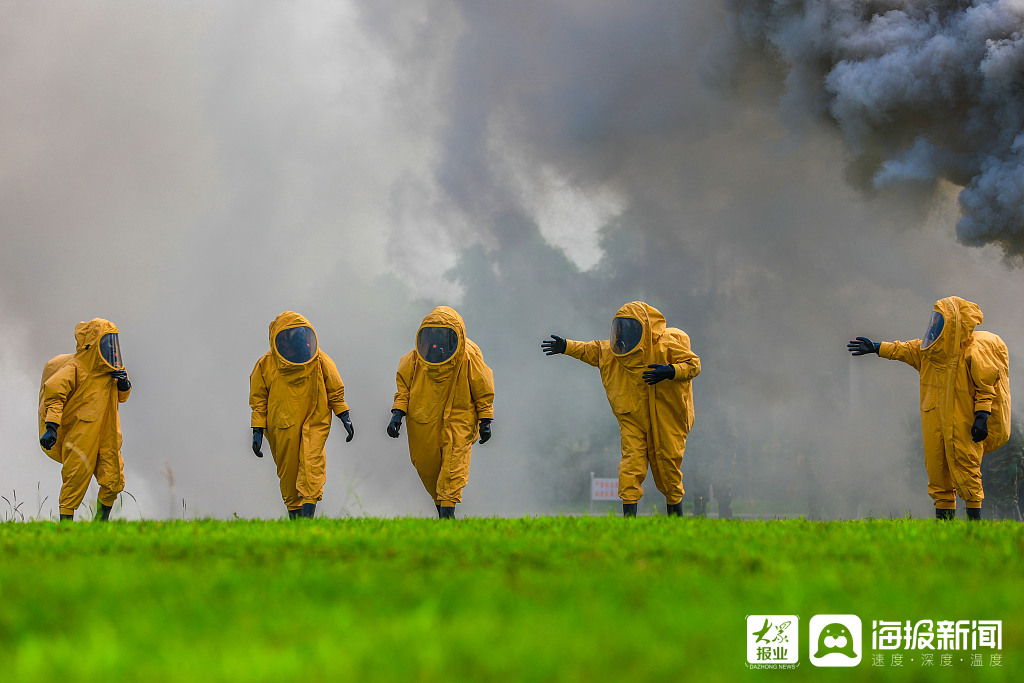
959,318
653,323
290,320
87,344
444,316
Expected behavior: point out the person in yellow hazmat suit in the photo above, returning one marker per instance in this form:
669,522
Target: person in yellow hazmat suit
79,422
647,370
447,391
294,390
965,399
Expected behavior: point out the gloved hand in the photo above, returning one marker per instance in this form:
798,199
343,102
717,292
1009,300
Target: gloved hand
658,373
553,346
50,437
979,430
122,379
348,425
862,346
485,429
395,426
257,441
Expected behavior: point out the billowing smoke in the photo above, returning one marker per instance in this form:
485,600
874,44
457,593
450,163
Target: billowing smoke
191,170
922,91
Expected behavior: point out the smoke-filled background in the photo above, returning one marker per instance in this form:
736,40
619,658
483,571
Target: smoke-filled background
775,177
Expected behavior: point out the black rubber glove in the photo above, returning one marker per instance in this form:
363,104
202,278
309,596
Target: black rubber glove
348,425
122,379
657,373
979,430
50,437
395,426
485,429
257,441
862,346
553,346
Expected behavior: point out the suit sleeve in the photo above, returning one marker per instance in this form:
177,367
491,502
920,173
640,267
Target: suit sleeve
56,391
481,386
258,393
122,396
588,352
403,382
683,359
332,382
909,352
985,376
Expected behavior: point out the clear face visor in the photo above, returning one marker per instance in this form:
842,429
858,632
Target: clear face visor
110,349
626,334
437,344
935,326
296,345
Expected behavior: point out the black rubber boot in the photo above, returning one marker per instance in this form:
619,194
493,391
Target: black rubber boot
438,510
294,514
629,509
675,509
67,518
974,514
103,512
944,514
447,512
308,509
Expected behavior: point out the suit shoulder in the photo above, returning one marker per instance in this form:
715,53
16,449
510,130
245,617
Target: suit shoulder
987,343
56,363
408,360
673,336
676,333
986,337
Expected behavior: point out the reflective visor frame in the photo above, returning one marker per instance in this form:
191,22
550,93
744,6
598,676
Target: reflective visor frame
296,345
626,335
436,344
935,327
110,350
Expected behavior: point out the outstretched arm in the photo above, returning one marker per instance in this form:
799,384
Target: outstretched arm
909,352
589,352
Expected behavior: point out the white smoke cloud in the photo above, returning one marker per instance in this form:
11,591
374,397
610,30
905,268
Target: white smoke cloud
191,170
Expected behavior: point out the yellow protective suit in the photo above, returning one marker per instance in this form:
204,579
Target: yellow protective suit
654,419
294,403
79,394
444,403
962,371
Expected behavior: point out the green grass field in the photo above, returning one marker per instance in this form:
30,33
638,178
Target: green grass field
550,598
